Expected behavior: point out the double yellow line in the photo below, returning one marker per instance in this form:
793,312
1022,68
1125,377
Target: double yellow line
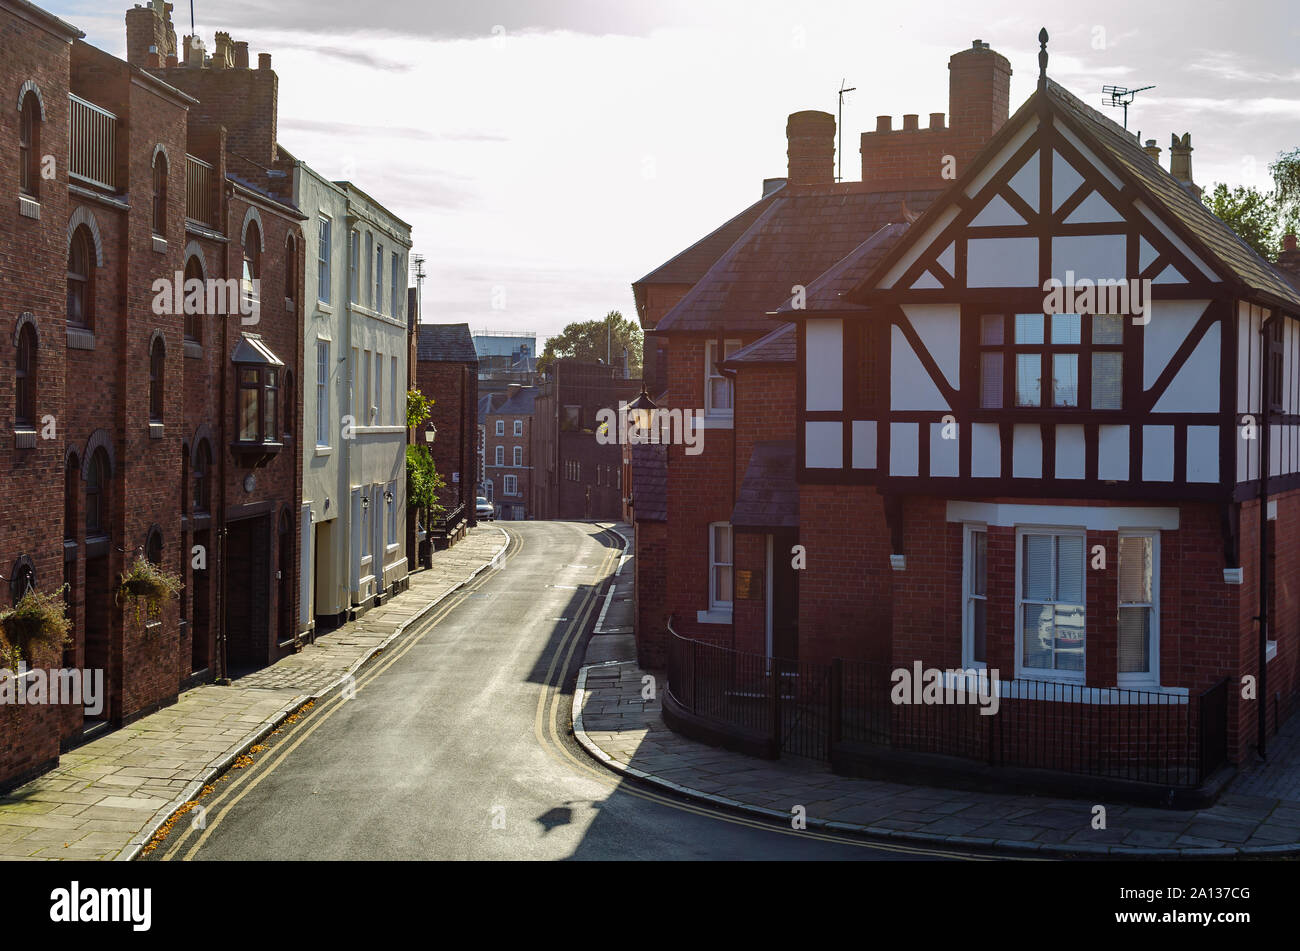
233,794
548,736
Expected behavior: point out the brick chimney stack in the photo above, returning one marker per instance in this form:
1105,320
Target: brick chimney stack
1289,260
1180,162
810,137
979,102
149,25
979,90
1153,150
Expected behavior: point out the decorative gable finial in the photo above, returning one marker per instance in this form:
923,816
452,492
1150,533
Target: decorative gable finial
1042,55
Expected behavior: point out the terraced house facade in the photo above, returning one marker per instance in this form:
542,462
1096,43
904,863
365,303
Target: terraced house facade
154,259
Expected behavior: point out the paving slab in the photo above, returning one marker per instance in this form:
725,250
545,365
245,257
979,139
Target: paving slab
1260,811
106,798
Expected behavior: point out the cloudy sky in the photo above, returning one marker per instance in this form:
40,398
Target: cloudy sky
550,153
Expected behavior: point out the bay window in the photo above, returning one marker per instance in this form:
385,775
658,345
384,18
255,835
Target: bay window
258,374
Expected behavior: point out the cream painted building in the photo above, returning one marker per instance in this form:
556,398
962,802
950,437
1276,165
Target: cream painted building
354,400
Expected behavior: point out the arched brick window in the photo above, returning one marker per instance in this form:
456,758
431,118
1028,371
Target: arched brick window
160,194
81,269
252,265
153,546
193,312
29,145
25,377
97,494
157,364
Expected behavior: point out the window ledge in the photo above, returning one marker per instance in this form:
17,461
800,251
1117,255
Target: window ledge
155,429
1074,691
324,308
193,349
289,305
24,438
324,450
159,244
717,422
714,616
29,207
80,338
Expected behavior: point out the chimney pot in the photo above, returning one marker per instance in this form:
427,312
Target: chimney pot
1153,150
936,120
241,55
263,60
884,123
910,121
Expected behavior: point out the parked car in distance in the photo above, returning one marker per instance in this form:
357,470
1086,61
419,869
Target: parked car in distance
483,509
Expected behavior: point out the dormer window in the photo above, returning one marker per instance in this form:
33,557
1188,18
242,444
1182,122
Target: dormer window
258,374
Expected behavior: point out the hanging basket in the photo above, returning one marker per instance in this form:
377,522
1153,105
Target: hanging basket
149,585
39,618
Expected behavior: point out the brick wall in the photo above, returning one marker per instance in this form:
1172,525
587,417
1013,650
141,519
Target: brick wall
454,389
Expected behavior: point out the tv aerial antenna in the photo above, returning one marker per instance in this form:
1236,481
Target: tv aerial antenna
1120,97
839,128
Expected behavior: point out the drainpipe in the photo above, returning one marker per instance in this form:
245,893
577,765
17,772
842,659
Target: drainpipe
1262,588
222,449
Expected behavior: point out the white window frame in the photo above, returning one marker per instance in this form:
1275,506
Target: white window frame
365,390
379,389
501,427
354,266
1041,673
1150,678
367,531
500,456
510,485
396,305
370,270
379,278
519,427
968,597
487,490
517,456
392,391
324,266
322,394
393,543
711,373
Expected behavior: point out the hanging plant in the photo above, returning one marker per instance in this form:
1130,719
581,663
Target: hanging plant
149,585
39,618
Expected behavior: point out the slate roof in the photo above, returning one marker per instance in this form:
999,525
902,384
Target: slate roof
780,346
768,495
803,232
693,263
829,290
445,343
488,403
1219,239
521,404
650,483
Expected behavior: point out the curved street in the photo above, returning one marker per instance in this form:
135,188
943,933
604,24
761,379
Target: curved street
456,744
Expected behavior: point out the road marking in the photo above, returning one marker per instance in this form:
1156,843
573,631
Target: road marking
600,621
280,754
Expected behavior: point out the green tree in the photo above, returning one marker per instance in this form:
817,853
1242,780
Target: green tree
591,340
1255,215
1286,184
423,483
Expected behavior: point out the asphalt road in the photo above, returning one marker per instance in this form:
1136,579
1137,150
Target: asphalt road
456,746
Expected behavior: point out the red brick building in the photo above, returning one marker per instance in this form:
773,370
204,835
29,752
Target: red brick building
576,475
508,467
447,373
968,474
141,427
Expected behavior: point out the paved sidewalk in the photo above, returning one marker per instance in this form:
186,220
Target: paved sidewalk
106,799
627,733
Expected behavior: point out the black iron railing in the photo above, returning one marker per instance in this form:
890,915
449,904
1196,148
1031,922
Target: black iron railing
807,709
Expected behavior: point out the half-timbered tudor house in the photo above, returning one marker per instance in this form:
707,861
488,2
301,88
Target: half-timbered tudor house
1049,429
